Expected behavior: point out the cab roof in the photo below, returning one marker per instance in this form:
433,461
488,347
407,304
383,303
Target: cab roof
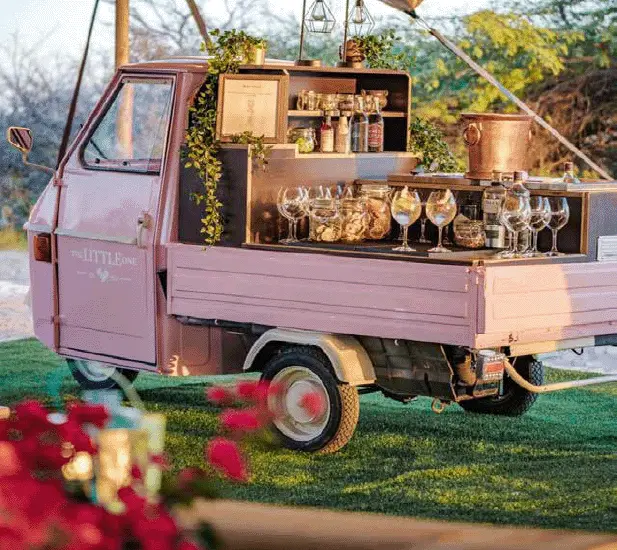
188,63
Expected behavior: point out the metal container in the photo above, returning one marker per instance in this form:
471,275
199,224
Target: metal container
496,142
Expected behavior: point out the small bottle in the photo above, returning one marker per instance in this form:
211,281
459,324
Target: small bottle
342,144
326,134
376,129
359,127
568,174
492,198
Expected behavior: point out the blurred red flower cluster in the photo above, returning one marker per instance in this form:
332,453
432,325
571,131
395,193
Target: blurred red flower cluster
37,512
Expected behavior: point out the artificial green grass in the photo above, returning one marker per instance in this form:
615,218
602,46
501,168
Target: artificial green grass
555,467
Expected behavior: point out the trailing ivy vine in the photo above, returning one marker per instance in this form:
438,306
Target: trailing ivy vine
228,50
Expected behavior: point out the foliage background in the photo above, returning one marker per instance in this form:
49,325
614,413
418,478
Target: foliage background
559,55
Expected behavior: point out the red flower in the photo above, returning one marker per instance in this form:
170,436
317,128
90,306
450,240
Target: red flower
247,390
84,413
136,473
240,421
313,403
189,475
219,395
160,460
225,456
31,418
187,545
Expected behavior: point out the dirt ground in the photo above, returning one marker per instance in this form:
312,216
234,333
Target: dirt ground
15,321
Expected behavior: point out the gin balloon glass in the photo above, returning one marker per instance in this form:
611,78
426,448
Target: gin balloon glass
406,208
292,205
441,210
515,214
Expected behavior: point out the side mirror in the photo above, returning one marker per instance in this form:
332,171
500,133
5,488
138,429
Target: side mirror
20,138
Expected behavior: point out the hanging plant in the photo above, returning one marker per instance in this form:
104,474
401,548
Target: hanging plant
228,50
379,50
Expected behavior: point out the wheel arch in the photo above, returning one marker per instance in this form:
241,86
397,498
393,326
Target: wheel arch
350,361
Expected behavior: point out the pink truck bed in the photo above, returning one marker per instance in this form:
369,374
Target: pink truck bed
467,305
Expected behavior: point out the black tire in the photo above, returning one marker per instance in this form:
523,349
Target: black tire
515,401
85,372
343,401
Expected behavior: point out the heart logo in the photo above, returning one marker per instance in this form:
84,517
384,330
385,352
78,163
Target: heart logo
103,275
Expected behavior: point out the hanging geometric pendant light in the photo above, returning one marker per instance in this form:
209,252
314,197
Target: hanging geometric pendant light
360,20
320,18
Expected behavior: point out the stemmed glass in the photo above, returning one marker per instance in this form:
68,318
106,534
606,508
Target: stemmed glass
441,210
515,214
406,208
423,220
540,217
560,215
292,205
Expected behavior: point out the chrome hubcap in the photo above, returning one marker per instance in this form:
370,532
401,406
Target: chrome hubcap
292,418
94,370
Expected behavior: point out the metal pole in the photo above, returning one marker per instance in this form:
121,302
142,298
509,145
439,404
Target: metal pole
301,57
199,20
346,32
124,123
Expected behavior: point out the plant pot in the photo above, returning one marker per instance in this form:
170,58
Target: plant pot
256,56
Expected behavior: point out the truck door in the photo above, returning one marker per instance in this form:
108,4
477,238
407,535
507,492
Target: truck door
109,203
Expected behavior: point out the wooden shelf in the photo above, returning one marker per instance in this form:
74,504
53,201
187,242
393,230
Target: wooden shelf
320,114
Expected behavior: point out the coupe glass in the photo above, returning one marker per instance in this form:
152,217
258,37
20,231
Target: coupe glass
292,205
560,215
515,215
441,210
406,208
540,217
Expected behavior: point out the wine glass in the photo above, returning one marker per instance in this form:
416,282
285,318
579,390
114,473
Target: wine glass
292,204
406,208
540,217
441,210
423,220
560,215
515,215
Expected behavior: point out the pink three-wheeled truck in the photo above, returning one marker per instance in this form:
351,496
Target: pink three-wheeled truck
121,280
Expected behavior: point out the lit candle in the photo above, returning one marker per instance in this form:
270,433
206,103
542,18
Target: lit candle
5,412
113,465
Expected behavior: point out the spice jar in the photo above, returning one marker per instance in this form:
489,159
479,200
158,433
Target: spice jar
324,221
354,219
305,138
469,233
378,206
345,102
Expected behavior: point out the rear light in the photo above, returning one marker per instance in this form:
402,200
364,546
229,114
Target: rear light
490,366
41,245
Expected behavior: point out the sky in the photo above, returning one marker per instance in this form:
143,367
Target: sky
62,24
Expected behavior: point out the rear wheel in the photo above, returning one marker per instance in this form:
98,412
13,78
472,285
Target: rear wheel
93,375
298,371
514,400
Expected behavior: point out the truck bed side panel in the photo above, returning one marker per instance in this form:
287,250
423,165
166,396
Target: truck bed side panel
547,302
390,299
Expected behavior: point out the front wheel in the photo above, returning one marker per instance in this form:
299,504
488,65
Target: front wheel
514,400
298,371
93,375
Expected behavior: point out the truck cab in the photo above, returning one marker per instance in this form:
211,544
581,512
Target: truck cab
121,282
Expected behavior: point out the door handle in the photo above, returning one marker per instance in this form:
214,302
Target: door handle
144,222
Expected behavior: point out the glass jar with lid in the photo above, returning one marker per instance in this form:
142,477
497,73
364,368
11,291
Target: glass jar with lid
469,233
377,198
305,138
354,219
324,220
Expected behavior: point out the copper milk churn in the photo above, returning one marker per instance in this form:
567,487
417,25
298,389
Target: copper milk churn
496,142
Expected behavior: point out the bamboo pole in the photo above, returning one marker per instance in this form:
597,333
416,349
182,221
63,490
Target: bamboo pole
125,115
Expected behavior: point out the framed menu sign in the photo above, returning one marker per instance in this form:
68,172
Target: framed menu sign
252,103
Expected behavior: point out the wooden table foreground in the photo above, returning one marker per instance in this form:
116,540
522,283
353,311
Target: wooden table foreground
248,526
